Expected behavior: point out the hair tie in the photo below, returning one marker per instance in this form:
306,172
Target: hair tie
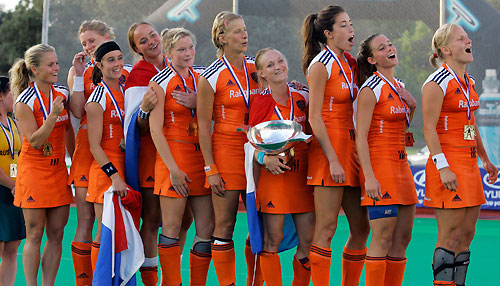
435,55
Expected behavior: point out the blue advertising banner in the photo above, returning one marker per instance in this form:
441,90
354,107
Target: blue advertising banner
491,191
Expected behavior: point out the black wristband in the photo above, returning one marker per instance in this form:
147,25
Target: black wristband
143,114
109,169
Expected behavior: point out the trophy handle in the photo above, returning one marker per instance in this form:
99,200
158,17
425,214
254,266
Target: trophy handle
302,137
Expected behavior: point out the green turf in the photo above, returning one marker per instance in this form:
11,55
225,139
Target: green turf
418,270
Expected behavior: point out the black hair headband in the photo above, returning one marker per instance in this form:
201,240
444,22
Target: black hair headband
105,48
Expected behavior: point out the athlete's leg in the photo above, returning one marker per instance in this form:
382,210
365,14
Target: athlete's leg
56,221
35,224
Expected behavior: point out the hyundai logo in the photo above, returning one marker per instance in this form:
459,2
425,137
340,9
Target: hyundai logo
495,185
419,178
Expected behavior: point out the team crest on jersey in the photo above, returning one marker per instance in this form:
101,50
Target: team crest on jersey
301,104
177,87
229,83
123,79
390,97
254,77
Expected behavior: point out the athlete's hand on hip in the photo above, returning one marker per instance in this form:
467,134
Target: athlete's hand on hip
372,187
449,179
337,172
217,185
179,181
274,164
492,172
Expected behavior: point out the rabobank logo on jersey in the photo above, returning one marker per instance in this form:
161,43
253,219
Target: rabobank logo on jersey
237,93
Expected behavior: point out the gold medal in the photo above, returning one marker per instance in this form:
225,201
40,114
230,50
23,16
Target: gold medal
469,132
193,128
13,170
48,149
122,145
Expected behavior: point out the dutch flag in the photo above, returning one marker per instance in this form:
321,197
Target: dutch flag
121,252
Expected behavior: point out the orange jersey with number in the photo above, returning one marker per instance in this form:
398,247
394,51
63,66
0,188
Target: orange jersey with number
229,113
177,117
460,153
386,143
337,114
41,180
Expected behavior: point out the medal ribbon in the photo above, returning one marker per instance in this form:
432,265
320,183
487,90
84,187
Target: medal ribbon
349,83
185,85
407,110
10,142
39,97
157,69
465,92
246,96
115,103
278,112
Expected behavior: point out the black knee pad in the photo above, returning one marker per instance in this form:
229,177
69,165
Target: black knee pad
202,246
167,240
461,263
443,264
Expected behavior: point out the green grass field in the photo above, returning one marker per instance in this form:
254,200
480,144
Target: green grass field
418,270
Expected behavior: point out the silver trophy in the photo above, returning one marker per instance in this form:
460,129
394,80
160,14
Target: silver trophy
278,137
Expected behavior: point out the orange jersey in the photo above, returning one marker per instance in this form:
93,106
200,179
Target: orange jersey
460,153
112,129
287,192
89,86
177,117
229,109
453,116
338,106
386,143
337,114
42,179
6,143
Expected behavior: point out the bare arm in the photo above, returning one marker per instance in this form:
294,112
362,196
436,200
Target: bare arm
70,139
77,102
204,111
432,100
38,136
95,121
318,77
178,178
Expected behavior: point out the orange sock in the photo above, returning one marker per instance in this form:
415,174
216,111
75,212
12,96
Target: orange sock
94,253
375,271
199,263
394,270
271,268
224,260
444,283
149,275
82,262
254,272
320,264
170,260
352,266
301,271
